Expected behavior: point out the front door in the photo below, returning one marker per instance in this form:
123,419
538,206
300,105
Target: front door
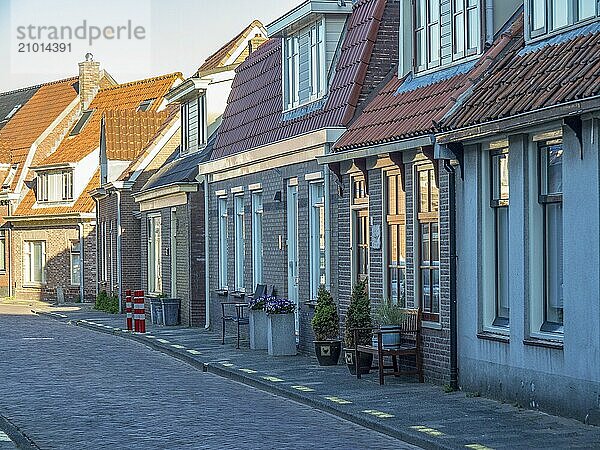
173,251
292,247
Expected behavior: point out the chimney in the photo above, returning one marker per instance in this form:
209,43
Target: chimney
89,80
255,42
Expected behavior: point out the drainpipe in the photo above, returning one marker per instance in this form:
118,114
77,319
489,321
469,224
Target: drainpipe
81,263
453,310
119,251
327,177
9,267
489,22
97,245
206,256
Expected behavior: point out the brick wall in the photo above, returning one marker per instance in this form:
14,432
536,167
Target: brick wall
436,342
275,266
57,240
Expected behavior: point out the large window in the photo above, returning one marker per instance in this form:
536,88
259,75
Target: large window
2,250
34,262
317,237
257,235
499,202
154,255
396,237
429,252
549,15
304,65
550,189
240,243
466,28
360,229
55,186
223,247
75,259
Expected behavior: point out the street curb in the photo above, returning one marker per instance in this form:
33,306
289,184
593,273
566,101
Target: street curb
417,439
20,439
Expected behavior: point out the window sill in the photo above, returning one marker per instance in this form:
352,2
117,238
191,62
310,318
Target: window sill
432,325
539,37
489,336
311,303
545,343
455,62
34,285
222,292
238,294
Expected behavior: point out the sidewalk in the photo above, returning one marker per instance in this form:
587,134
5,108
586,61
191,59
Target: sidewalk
419,414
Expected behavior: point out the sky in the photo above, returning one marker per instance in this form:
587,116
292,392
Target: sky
171,36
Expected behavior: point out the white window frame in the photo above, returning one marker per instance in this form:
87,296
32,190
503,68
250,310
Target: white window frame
154,238
427,23
464,12
548,27
75,262
202,122
2,250
318,269
240,241
223,243
257,238
55,187
317,72
29,261
185,144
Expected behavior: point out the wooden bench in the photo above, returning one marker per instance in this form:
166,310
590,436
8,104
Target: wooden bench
410,345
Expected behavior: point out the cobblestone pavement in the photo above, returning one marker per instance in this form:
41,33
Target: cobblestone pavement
421,414
67,387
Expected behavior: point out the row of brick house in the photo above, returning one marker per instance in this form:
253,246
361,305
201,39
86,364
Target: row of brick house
447,151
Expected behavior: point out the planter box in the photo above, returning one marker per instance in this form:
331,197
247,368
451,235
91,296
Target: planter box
259,329
388,340
281,337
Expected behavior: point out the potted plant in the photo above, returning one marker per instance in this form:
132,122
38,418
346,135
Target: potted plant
326,324
258,323
358,316
281,330
389,316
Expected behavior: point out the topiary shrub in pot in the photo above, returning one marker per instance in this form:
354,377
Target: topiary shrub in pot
326,324
358,316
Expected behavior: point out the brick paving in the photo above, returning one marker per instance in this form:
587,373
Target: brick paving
421,414
67,387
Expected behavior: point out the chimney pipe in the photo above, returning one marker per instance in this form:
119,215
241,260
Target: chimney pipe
89,80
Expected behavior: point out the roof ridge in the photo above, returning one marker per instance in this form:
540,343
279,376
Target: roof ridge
144,80
37,86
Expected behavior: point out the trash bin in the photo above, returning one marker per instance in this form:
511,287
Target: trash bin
170,307
156,311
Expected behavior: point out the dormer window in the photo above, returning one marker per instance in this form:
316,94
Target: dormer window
83,120
55,186
304,65
546,16
434,24
145,105
194,133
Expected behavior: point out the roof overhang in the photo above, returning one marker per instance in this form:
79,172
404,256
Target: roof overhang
190,88
520,121
53,218
305,147
55,166
304,11
379,149
163,191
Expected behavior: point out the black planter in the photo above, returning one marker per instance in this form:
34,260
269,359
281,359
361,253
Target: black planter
328,352
366,360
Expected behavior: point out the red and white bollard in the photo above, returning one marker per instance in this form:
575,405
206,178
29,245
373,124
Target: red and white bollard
129,309
139,312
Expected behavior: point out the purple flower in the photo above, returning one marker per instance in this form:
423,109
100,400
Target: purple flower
276,305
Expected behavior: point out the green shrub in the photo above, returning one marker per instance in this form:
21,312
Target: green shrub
359,315
325,322
107,302
389,314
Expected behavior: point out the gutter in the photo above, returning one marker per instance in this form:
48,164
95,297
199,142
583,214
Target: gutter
523,120
453,257
81,263
327,177
378,149
119,251
206,257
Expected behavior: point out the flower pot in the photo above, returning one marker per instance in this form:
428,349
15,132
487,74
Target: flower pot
281,336
366,360
328,352
258,329
388,340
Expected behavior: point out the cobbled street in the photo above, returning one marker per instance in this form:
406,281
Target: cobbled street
69,388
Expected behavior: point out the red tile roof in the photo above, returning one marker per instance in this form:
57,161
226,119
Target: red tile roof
562,69
254,114
220,57
121,97
400,112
